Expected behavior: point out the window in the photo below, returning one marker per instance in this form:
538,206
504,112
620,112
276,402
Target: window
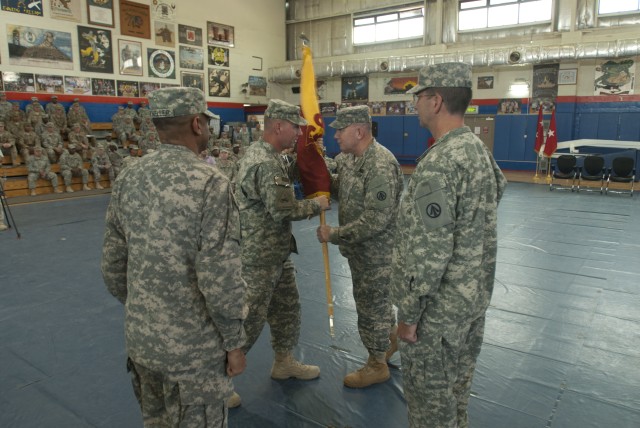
618,6
480,14
388,25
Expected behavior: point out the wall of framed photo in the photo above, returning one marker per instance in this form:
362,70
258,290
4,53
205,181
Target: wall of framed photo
125,48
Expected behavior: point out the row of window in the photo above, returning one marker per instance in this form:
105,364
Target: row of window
408,22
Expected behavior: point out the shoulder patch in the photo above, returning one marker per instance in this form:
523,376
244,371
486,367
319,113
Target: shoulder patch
432,205
380,192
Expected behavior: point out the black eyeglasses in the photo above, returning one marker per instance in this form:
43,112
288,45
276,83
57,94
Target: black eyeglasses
416,97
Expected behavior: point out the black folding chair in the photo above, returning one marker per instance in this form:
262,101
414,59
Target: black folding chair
592,170
564,168
622,171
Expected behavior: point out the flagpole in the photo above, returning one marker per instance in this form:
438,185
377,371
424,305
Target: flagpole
327,277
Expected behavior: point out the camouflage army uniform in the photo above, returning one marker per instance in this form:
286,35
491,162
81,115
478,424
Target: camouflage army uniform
78,138
125,131
55,108
58,117
228,167
171,255
27,142
131,112
72,165
444,265
5,107
115,158
35,104
100,163
267,207
118,119
256,134
52,142
143,112
9,140
36,118
76,114
39,167
369,189
149,142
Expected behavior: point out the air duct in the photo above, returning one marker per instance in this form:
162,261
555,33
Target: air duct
477,58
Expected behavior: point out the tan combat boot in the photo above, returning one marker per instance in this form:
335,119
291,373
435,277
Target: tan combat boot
33,193
69,189
393,338
285,367
234,401
375,371
99,187
57,190
86,187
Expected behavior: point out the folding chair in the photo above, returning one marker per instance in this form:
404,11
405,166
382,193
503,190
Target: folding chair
622,171
592,170
564,169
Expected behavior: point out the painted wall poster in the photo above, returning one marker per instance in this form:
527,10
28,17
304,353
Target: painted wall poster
189,35
568,76
164,33
100,12
103,87
615,77
130,57
49,83
218,56
258,86
163,10
66,9
147,87
77,85
37,47
128,88
95,47
219,34
355,88
191,58
162,63
219,82
31,7
135,19
18,82
399,85
192,80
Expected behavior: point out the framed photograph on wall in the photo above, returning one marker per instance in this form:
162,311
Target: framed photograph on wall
37,47
50,83
355,88
103,87
219,34
31,8
485,82
189,35
147,87
568,76
18,82
100,12
191,58
66,9
164,33
128,88
135,19
192,80
219,82
77,85
95,48
162,63
130,54
218,56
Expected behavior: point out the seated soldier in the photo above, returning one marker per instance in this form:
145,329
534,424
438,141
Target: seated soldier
134,154
8,145
79,139
52,142
72,165
205,156
226,165
100,163
28,141
114,157
39,168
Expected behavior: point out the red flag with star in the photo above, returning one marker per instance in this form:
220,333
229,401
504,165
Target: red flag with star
539,132
551,144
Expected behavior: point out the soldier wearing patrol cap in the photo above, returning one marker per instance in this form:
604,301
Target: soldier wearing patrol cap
368,185
72,165
171,255
52,142
444,256
267,207
5,107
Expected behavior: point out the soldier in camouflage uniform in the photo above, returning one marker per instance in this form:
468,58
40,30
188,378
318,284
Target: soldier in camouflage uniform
226,165
8,145
126,131
267,207
57,114
256,133
52,142
5,107
131,112
177,271
118,119
115,158
368,186
39,168
149,142
79,138
143,111
100,163
238,153
16,121
444,256
76,113
35,103
72,165
224,141
28,141
147,126
36,117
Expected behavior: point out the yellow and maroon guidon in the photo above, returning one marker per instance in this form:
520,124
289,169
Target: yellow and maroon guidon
313,171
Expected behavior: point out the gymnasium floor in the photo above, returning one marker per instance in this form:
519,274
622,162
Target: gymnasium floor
562,344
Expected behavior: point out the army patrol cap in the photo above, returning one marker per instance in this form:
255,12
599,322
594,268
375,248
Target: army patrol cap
133,147
350,115
34,99
175,102
446,75
129,103
55,97
278,109
71,147
75,100
49,125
